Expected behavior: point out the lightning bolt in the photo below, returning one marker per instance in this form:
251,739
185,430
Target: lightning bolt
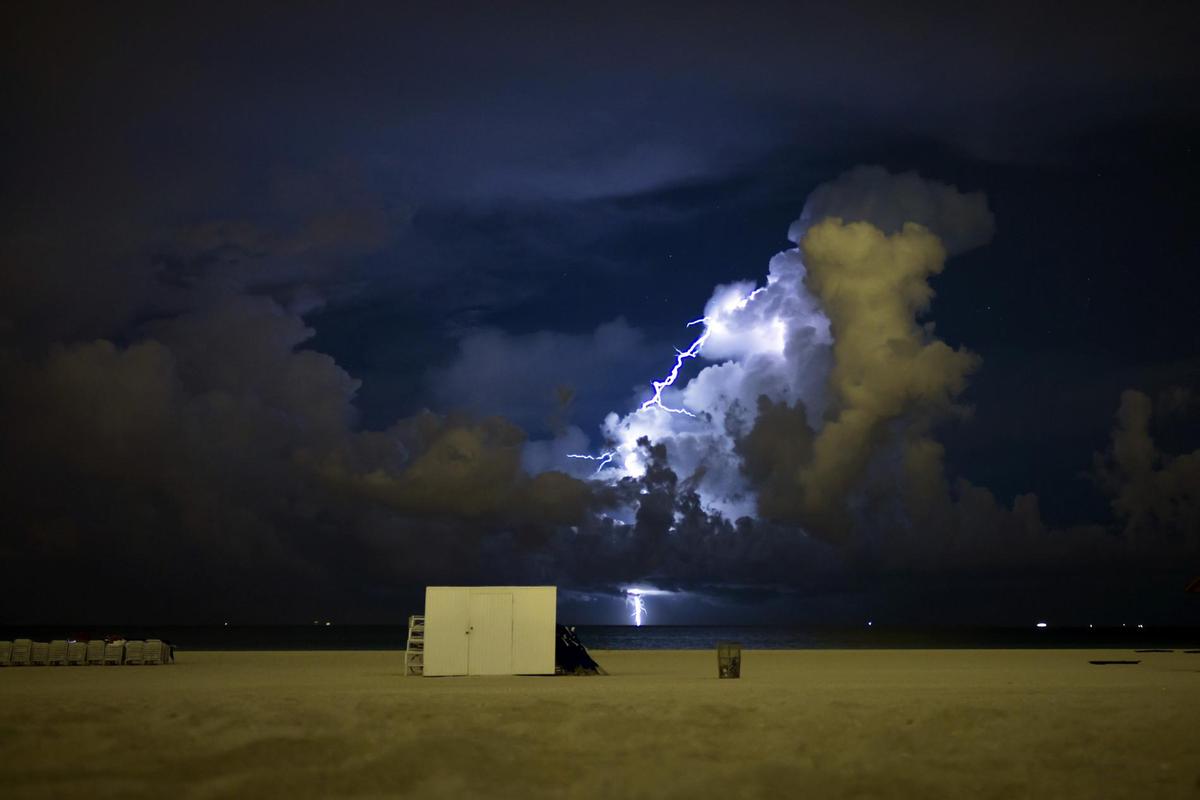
693,351
655,400
603,458
635,601
680,357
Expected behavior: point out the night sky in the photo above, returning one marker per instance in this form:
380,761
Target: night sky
302,308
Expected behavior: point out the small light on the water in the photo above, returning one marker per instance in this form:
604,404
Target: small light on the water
1090,625
1041,624
327,624
869,624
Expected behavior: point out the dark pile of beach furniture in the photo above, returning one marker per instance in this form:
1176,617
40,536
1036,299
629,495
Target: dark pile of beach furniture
97,652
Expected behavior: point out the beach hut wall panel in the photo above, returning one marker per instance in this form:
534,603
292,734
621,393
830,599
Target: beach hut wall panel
447,617
490,630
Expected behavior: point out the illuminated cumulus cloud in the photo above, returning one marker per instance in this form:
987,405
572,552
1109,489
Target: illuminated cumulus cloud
886,366
1154,494
827,351
770,340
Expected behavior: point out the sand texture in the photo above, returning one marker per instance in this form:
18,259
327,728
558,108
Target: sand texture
812,724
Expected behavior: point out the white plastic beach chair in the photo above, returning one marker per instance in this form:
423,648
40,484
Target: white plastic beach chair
153,654
95,652
39,653
5,654
20,651
77,652
114,652
134,650
58,652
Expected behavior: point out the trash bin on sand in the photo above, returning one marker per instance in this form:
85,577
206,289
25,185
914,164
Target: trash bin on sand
729,660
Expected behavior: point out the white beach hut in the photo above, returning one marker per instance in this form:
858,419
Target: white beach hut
490,630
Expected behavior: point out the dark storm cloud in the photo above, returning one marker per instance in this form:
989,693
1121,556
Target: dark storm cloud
524,377
217,440
1155,495
218,447
961,220
184,190
238,146
869,474
674,543
88,271
429,466
236,256
168,464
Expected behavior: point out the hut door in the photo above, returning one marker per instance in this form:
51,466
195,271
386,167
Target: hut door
489,634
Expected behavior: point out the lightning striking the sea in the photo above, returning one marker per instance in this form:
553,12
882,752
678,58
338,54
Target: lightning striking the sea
634,599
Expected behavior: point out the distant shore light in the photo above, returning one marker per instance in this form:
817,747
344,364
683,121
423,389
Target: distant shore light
1041,624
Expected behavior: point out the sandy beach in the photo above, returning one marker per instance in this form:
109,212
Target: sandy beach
821,723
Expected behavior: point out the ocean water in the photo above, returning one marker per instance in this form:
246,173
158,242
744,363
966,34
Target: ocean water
689,637
647,637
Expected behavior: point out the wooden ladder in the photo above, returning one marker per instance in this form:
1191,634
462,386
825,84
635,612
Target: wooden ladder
414,654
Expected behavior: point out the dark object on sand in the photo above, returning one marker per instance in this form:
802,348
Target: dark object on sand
1192,651
729,660
1154,651
570,656
1114,662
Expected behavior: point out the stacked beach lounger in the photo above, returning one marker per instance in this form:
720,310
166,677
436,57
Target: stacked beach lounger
77,652
26,652
20,652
